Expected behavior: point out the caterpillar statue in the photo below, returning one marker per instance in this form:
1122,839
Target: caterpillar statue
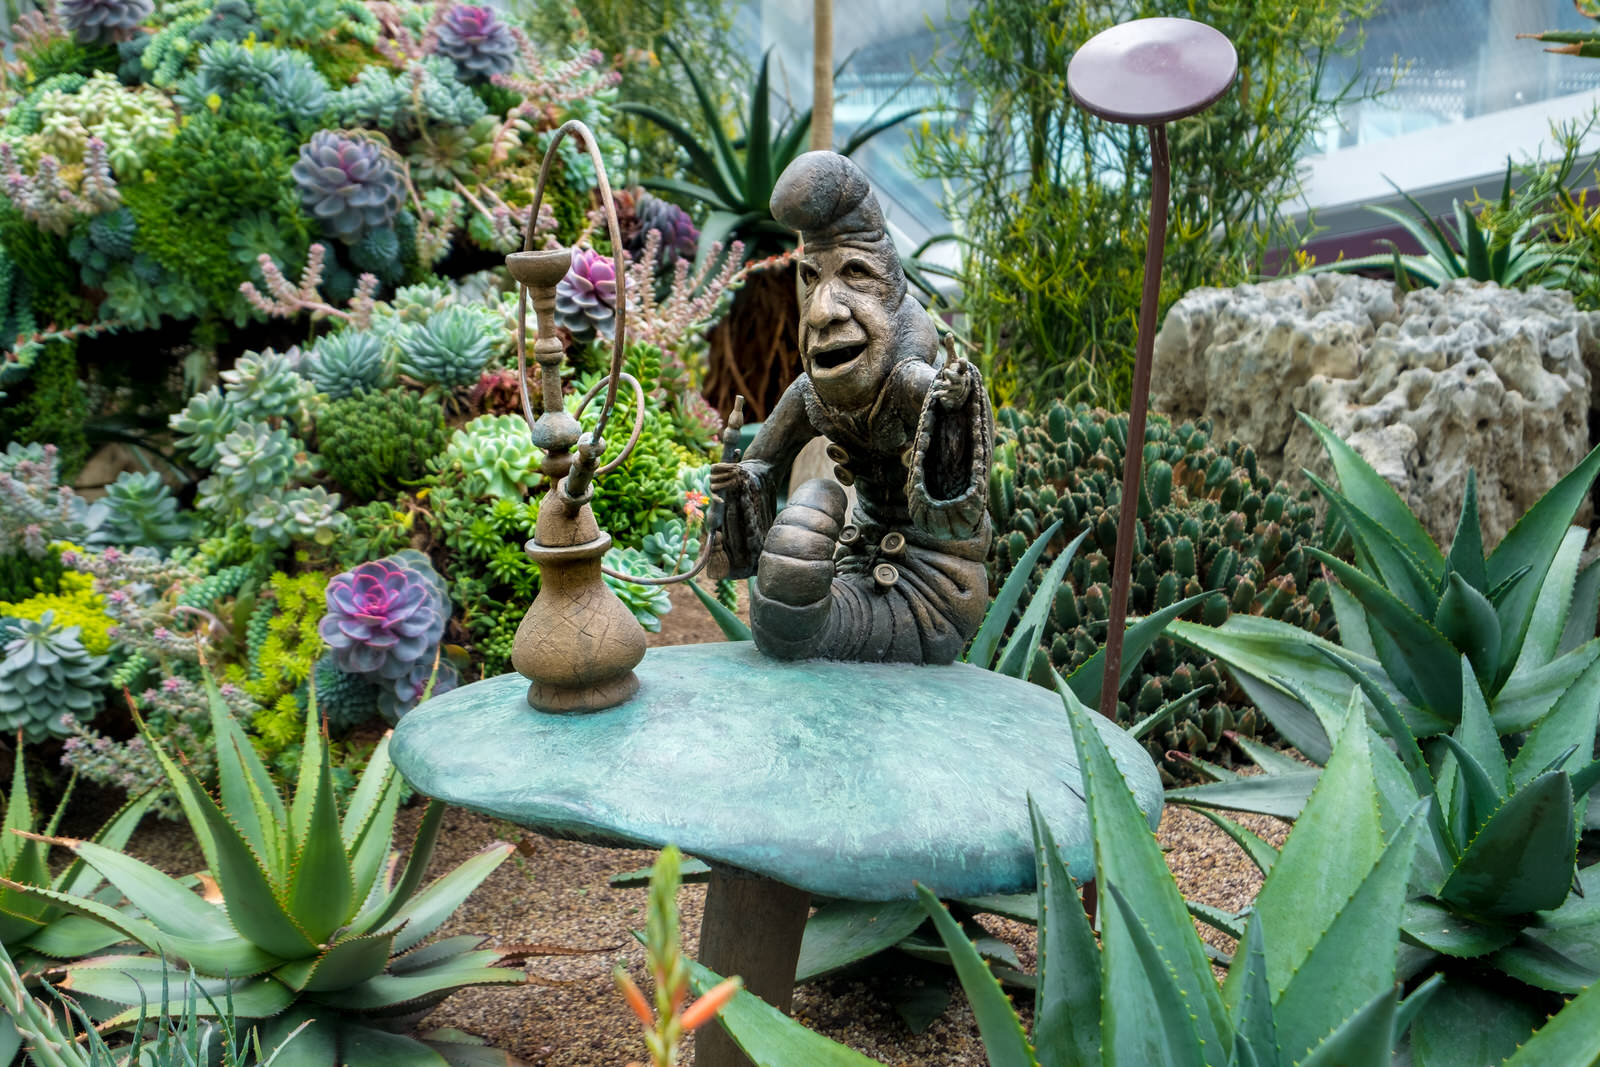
901,579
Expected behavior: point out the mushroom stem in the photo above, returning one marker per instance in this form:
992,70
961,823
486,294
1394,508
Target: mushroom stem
752,927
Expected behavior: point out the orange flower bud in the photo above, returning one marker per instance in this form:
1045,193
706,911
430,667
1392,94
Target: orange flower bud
705,1009
635,997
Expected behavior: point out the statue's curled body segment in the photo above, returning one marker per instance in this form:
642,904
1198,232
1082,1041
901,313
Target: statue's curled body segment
903,578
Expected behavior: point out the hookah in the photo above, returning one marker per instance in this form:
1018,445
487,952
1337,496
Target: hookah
578,644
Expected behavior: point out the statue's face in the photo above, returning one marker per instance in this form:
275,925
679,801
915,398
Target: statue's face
845,303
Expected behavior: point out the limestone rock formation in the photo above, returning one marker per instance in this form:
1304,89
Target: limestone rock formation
1424,384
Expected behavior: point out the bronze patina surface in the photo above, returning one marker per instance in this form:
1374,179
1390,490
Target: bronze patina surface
901,579
844,779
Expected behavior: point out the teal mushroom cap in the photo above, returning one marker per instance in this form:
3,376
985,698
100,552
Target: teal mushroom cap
847,780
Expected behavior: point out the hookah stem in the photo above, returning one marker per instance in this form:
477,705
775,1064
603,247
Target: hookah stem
730,454
1133,458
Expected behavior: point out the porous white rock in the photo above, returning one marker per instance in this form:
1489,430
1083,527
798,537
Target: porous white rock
1424,385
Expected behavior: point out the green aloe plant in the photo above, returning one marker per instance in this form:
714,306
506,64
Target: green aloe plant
36,930
1313,983
40,933
734,178
1485,675
185,1040
302,918
1585,43
1523,615
1497,897
1470,249
1145,994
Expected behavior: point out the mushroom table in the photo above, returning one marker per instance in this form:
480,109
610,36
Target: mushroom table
791,779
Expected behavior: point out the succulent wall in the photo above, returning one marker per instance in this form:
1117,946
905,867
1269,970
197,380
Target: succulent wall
165,172
354,525
1208,521
395,135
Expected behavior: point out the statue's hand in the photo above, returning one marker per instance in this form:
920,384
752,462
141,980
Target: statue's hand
951,387
725,476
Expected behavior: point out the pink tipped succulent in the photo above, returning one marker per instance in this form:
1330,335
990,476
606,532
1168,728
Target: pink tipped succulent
476,41
679,238
586,299
386,616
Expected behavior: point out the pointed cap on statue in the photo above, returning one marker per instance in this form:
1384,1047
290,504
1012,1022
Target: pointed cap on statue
826,197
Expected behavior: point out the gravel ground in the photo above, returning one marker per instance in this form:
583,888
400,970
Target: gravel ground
554,895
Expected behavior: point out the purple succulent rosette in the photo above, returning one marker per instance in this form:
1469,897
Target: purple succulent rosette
386,616
586,299
347,184
400,695
100,21
679,238
476,41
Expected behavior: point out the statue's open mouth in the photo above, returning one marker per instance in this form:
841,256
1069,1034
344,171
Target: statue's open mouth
834,358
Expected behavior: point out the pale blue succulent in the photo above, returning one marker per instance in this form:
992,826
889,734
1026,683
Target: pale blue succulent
347,362
286,79
252,460
452,346
665,548
139,509
268,384
203,424
493,456
387,101
301,514
46,677
647,602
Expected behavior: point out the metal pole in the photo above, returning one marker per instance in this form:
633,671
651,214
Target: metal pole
1133,460
821,74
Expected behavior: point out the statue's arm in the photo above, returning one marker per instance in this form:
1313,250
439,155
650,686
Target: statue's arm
749,488
947,485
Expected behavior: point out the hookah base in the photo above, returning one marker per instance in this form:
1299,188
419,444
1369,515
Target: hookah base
559,699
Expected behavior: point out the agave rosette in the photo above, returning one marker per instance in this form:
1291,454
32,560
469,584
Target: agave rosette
305,915
1485,675
33,929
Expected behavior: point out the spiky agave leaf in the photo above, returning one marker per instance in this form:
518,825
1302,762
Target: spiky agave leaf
309,914
32,927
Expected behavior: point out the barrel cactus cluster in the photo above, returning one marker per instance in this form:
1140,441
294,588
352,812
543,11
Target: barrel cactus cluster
1209,521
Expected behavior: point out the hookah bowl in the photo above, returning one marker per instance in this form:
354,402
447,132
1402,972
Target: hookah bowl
578,644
